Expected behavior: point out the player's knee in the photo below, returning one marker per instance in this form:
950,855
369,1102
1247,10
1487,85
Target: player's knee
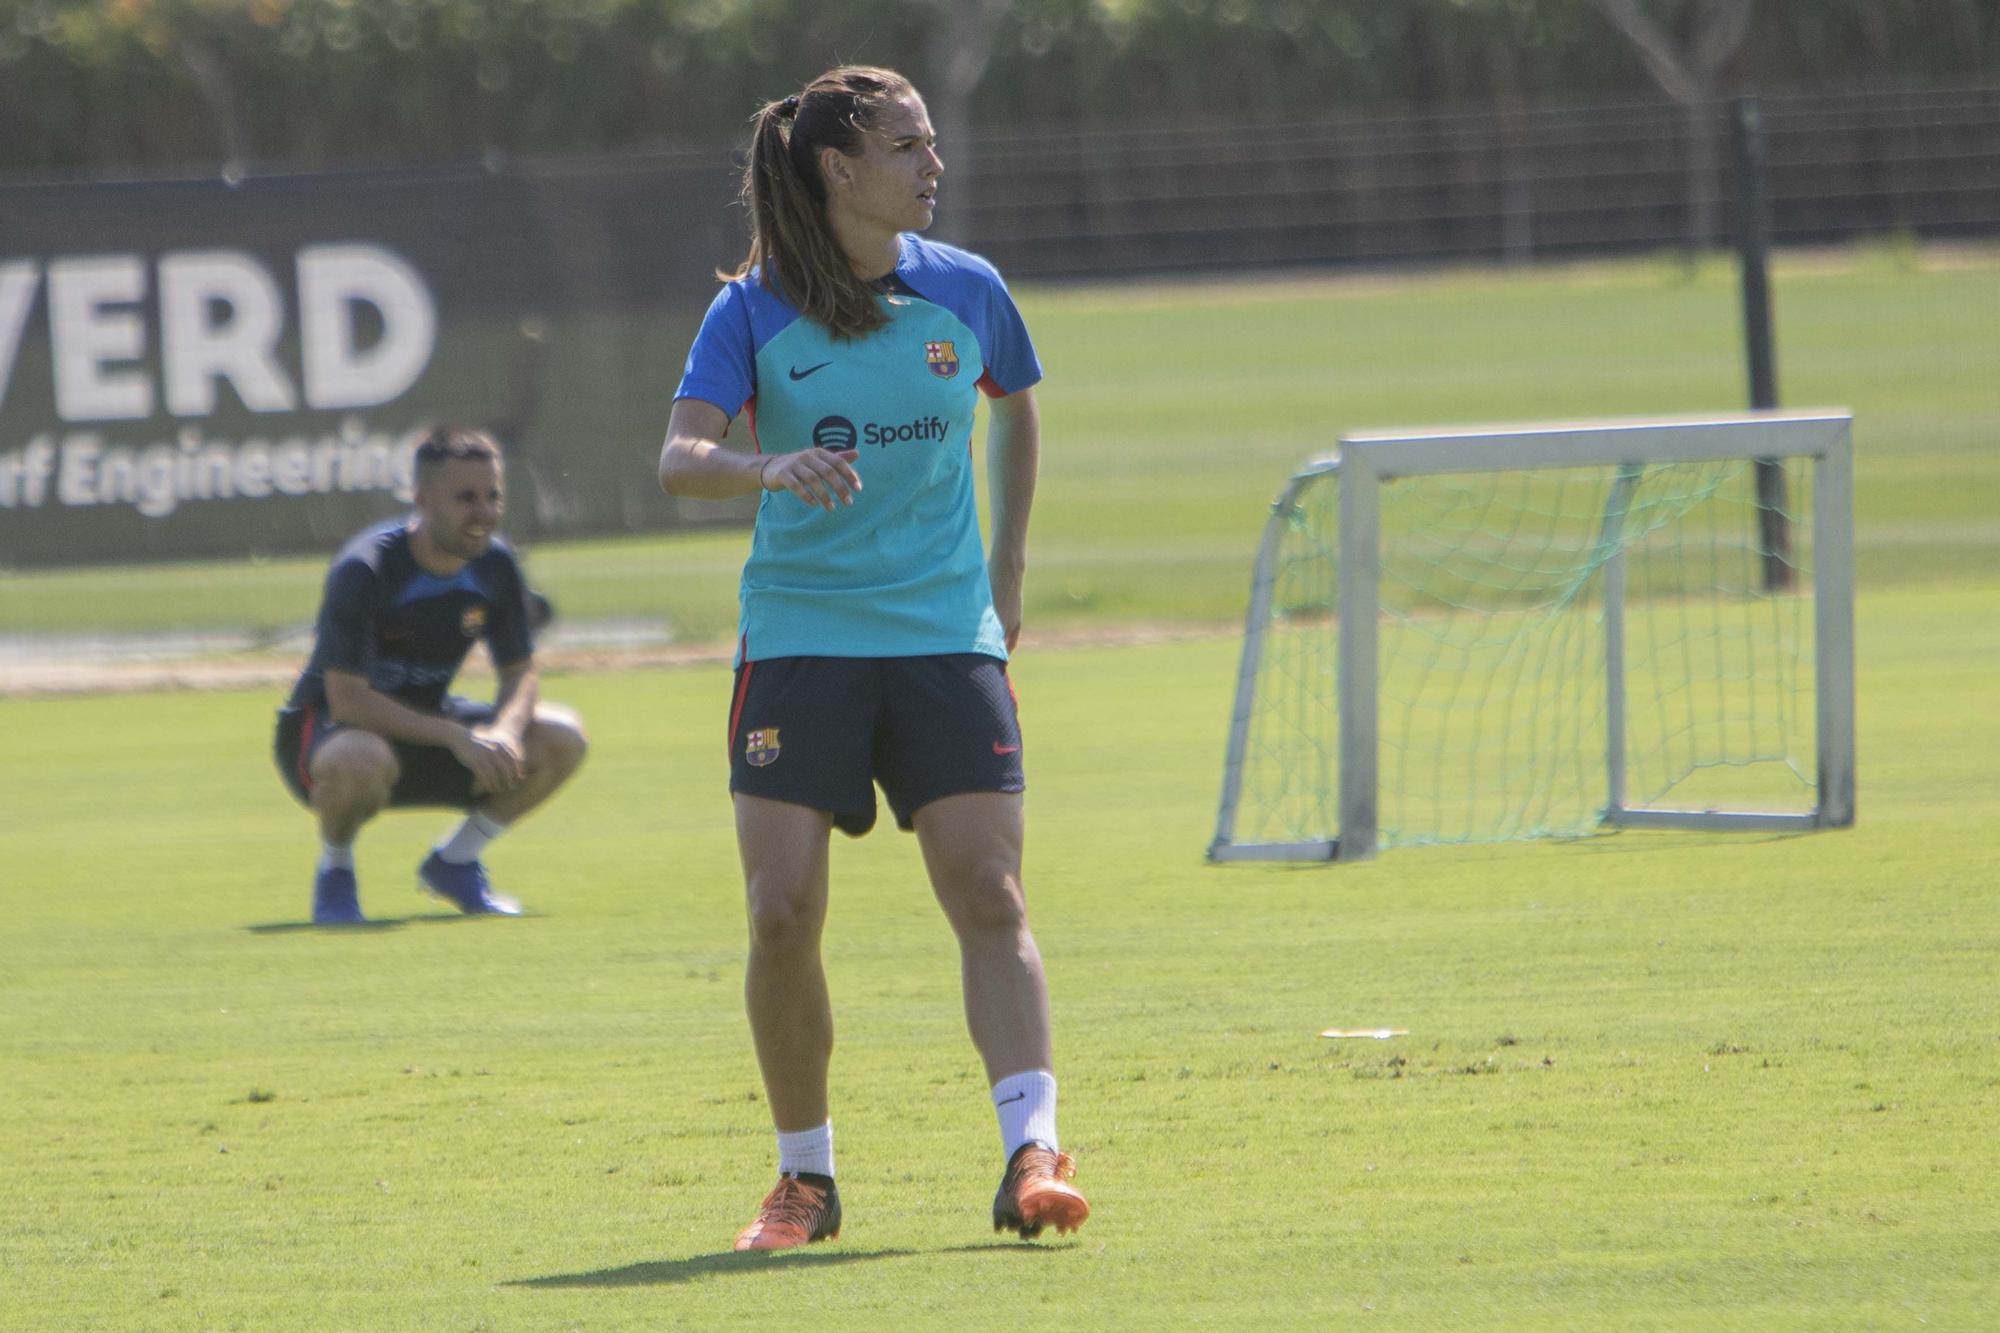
782,923
556,741
985,898
355,766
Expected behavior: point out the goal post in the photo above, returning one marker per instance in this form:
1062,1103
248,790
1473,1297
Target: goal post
1479,634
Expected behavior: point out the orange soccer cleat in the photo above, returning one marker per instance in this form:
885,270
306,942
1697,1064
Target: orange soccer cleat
795,1212
1036,1193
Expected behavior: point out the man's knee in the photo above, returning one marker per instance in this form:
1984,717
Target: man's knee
556,742
356,767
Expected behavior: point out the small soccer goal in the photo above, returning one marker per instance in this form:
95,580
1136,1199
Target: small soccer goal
1549,630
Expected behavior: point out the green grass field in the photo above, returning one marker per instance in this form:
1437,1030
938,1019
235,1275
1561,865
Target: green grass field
1650,1081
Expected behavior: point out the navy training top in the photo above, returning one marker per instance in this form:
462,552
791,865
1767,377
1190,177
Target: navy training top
408,630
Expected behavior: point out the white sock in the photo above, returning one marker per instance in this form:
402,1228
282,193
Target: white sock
806,1150
1026,1105
336,855
464,846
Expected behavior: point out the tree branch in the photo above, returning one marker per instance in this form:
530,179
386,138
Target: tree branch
1723,26
216,90
1655,48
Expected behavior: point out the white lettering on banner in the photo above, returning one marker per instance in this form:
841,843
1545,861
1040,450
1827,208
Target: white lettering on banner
24,475
195,352
221,316
87,336
332,278
156,479
17,297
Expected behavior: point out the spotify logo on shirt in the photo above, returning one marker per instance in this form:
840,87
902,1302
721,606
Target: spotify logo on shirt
839,432
833,433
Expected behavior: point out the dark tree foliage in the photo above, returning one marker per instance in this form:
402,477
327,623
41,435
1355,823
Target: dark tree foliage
172,85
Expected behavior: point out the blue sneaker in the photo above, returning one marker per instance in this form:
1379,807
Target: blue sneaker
465,887
336,901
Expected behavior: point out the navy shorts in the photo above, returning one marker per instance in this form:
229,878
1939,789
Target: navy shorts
430,774
822,731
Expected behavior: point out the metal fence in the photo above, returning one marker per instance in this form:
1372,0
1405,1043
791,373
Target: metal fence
1497,185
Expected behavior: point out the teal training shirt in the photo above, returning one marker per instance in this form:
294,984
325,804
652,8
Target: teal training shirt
901,572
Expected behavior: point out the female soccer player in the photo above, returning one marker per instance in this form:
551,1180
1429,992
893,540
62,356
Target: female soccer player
874,631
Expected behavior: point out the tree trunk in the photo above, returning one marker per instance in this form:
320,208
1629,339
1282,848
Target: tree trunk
956,55
1690,74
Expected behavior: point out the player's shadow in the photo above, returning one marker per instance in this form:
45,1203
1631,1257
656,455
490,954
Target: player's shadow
372,925
666,1272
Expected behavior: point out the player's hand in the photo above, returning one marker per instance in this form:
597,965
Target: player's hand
494,758
824,478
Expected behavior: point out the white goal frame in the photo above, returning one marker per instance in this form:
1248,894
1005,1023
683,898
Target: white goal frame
1365,461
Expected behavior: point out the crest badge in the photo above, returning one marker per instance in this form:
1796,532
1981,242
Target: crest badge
473,621
760,747
942,358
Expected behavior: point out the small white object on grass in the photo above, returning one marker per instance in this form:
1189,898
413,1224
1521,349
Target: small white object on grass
1379,1034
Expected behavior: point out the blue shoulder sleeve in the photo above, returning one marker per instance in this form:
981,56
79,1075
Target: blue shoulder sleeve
971,288
721,366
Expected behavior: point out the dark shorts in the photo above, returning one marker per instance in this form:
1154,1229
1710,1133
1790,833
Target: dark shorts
429,774
822,731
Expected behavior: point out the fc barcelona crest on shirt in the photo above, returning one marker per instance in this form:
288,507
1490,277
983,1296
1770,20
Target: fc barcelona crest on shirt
942,357
761,747
473,621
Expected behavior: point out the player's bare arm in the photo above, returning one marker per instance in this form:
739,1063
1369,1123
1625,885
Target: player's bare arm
356,703
694,463
1013,456
514,710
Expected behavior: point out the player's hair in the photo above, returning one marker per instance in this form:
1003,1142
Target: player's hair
790,238
448,441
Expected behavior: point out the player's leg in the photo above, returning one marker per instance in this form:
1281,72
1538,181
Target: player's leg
972,848
553,748
784,850
350,776
353,773
953,772
800,742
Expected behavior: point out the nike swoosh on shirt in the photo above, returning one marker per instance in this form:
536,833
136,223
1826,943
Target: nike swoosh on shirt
998,748
798,374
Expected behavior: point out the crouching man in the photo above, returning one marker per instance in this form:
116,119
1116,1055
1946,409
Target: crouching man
372,724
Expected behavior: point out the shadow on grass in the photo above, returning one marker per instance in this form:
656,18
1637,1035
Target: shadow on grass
665,1272
375,924
1679,840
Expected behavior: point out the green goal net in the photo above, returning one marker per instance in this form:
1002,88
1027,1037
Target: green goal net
1561,639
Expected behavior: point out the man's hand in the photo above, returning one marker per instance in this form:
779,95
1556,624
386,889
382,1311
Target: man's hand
494,757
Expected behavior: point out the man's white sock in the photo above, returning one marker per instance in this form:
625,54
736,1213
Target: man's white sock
807,1151
1026,1105
464,846
336,855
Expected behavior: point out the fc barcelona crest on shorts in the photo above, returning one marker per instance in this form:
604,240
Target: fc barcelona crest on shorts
473,621
942,357
761,747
